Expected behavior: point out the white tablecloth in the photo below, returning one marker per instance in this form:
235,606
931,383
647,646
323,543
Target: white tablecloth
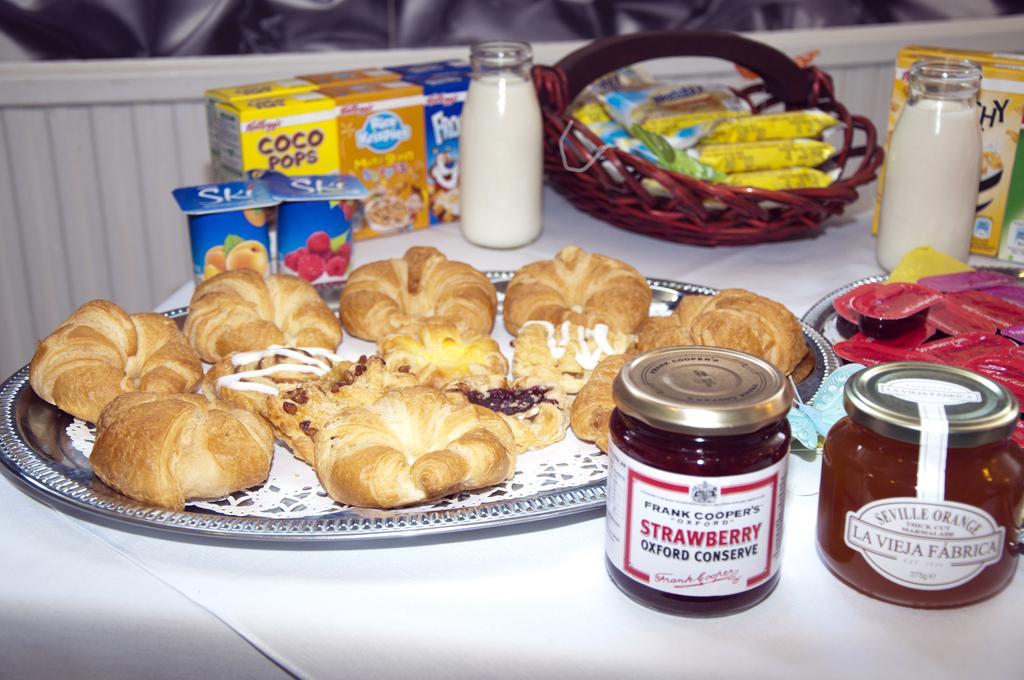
78,598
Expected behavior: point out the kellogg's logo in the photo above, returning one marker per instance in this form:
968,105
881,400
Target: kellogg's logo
268,124
382,132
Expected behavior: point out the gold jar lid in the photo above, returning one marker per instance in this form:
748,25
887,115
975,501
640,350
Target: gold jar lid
893,400
702,391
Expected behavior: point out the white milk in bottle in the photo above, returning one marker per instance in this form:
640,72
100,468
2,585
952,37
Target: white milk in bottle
933,164
501,148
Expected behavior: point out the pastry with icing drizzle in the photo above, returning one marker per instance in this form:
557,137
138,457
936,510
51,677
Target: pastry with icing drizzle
564,354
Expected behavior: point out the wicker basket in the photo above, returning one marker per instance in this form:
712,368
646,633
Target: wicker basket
611,187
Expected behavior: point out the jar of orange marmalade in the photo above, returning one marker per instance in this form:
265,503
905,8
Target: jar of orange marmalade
697,480
922,489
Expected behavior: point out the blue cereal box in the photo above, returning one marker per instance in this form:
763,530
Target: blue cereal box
444,86
414,73
228,226
314,223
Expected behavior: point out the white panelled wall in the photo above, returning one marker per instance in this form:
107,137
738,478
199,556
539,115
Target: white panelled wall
90,151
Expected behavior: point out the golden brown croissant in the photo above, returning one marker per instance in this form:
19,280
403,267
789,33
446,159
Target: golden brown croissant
381,297
412,445
584,288
299,389
564,355
101,351
592,409
167,449
240,310
439,352
736,319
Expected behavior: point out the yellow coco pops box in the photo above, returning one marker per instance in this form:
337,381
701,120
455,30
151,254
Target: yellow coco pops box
241,93
292,134
382,142
1000,109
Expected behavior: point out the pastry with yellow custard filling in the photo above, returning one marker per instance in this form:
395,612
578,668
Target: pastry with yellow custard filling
439,353
564,354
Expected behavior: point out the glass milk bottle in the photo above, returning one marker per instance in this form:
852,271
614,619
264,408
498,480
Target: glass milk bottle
933,164
500,148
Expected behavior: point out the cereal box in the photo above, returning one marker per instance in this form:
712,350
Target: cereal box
1011,245
382,143
354,77
294,134
241,93
416,72
228,227
1001,107
444,91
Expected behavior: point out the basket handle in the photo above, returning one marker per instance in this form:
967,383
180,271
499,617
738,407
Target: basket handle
782,77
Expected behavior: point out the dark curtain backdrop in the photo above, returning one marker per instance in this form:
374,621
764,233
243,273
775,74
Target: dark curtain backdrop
95,29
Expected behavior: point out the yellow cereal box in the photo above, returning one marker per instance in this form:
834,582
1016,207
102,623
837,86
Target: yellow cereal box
1001,107
241,93
382,141
295,134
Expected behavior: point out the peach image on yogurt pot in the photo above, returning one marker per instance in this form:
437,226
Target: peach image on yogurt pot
248,255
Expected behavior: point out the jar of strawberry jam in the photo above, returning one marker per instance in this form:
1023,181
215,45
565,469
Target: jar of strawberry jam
922,489
697,480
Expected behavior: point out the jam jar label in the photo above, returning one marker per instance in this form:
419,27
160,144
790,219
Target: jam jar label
925,545
694,536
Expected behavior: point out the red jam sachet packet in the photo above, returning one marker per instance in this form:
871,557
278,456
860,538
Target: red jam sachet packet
953,319
909,340
961,281
1014,294
869,353
1007,370
892,301
961,349
893,310
1002,313
842,303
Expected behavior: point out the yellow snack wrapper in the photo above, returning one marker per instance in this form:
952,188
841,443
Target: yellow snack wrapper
772,155
787,178
591,113
672,124
785,125
925,261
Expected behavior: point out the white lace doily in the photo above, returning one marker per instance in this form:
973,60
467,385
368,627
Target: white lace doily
292,489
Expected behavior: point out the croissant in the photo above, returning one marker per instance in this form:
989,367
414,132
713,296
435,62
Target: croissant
101,352
299,389
164,450
591,411
439,353
734,318
381,297
412,445
580,287
240,310
564,355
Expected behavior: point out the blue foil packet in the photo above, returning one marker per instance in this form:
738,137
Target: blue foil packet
228,227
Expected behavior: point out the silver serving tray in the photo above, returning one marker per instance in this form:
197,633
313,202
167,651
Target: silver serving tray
36,452
822,315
